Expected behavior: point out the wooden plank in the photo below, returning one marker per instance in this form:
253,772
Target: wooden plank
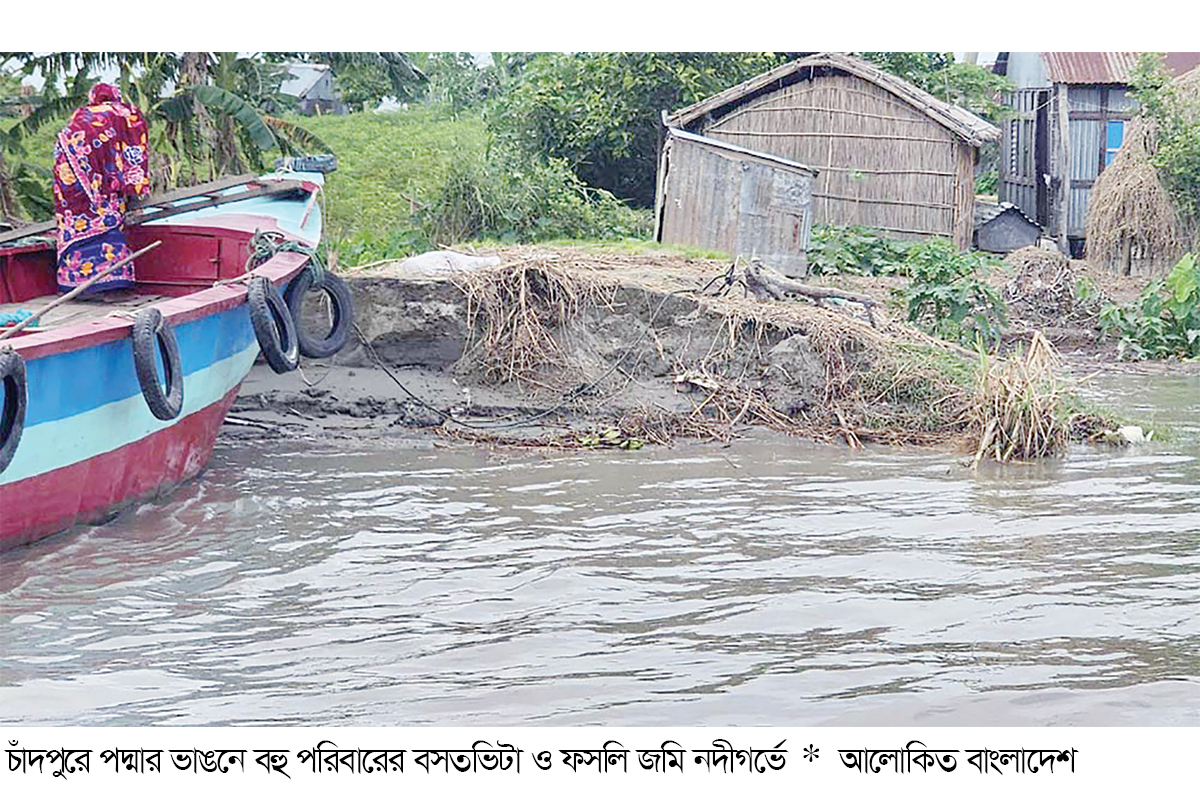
883,201
834,135
272,188
210,191
889,172
185,192
1064,167
29,230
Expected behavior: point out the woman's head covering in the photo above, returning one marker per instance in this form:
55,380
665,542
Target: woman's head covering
104,93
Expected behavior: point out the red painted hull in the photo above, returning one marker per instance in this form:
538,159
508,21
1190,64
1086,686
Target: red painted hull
94,490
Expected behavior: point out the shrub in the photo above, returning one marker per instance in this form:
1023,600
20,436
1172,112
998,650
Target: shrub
855,249
1164,321
946,294
412,180
515,198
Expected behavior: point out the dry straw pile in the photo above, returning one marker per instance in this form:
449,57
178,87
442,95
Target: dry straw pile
1131,220
522,308
1017,410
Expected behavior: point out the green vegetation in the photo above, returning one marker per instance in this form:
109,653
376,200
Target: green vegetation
391,167
599,112
987,182
968,85
1173,108
855,250
1164,321
947,296
413,180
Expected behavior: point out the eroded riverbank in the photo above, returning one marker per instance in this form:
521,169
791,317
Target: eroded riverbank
573,349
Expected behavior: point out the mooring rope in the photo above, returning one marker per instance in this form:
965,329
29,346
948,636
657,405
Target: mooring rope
265,244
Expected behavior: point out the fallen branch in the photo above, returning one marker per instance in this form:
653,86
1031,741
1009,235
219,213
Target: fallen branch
768,284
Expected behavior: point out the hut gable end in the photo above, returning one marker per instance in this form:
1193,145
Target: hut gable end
889,155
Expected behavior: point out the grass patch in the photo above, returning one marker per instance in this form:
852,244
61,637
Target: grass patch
390,167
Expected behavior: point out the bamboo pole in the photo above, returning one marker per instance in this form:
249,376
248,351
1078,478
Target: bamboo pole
798,134
8,332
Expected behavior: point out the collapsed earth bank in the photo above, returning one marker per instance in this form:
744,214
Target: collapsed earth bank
574,348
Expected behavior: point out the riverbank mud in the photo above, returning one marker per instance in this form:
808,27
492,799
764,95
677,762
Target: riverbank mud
578,348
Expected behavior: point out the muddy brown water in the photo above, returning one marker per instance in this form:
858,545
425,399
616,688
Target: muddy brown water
773,582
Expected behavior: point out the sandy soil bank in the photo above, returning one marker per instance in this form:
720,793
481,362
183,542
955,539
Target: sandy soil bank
626,350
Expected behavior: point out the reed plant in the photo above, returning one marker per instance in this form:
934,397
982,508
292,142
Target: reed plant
1018,409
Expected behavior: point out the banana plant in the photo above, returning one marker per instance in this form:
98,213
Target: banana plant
206,112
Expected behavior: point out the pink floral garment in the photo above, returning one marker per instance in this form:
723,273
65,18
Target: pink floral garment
100,161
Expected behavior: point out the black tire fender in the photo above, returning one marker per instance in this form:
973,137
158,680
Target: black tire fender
12,413
273,325
317,347
152,334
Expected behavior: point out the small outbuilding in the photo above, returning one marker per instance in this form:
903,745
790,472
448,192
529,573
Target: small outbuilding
1002,228
888,154
723,197
313,87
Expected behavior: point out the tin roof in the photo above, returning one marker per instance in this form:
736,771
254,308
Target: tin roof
302,78
1102,68
722,145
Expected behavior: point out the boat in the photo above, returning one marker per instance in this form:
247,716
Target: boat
106,405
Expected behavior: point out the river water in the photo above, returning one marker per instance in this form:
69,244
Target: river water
772,582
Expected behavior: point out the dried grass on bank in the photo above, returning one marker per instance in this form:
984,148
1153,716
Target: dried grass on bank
520,308
892,384
1017,413
1131,218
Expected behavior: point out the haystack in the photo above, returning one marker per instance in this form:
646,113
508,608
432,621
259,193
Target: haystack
1187,88
1132,223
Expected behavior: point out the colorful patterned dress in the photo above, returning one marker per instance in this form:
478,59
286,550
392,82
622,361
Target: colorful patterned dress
100,161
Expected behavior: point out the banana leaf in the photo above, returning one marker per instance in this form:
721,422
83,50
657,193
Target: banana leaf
226,102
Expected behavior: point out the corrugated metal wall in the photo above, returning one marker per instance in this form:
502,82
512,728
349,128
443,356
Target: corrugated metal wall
1089,110
1087,140
1018,176
736,203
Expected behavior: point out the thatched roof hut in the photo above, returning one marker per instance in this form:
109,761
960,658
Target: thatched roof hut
889,155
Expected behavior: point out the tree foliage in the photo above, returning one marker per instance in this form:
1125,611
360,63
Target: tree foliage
1175,115
457,82
968,85
365,78
600,112
210,114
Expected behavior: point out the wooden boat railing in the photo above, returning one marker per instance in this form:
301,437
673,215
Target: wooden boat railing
207,195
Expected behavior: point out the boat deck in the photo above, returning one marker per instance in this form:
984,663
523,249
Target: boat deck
77,311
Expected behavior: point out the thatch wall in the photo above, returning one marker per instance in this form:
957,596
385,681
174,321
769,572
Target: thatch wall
888,155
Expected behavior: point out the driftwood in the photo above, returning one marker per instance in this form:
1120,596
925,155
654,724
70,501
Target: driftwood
768,284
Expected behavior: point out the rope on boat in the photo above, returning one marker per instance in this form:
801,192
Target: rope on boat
265,244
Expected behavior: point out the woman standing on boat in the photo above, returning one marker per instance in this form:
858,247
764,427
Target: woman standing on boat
100,161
